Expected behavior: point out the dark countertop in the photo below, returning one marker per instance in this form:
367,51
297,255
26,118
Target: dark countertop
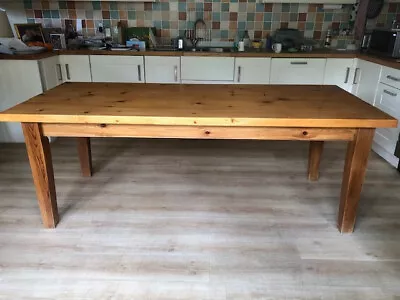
323,53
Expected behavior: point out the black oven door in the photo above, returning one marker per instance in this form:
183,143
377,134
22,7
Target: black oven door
383,42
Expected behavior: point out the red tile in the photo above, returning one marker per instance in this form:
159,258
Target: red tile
233,16
302,17
257,34
182,16
301,26
207,6
268,7
106,14
216,25
284,24
335,25
71,4
317,35
392,7
72,14
233,25
259,17
148,6
123,15
38,14
89,24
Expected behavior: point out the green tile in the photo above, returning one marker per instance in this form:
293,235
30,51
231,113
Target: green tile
131,15
55,14
309,25
267,25
96,5
276,17
224,34
62,4
114,14
28,4
259,7
293,17
224,6
46,14
156,5
328,17
113,6
241,25
199,15
182,6
216,16
341,43
165,24
164,6
294,7
199,6
31,21
285,7
106,23
267,17
250,16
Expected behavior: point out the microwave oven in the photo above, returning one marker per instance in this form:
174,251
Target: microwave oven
385,43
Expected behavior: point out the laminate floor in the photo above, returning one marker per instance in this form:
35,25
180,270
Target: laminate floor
182,219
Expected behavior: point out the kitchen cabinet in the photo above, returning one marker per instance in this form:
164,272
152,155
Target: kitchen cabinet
365,80
163,69
340,72
297,70
207,69
75,68
19,81
50,72
252,70
115,68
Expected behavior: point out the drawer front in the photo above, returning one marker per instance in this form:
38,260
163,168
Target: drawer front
387,99
207,68
387,138
390,77
297,71
116,60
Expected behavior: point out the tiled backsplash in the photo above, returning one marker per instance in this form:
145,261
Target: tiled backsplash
390,12
226,18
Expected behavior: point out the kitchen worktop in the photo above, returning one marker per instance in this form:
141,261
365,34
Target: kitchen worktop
320,53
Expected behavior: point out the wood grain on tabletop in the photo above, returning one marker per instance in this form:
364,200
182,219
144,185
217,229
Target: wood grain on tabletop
196,105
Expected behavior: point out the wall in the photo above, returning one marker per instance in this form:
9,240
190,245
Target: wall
389,12
172,18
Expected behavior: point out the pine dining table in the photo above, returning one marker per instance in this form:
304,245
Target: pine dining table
312,113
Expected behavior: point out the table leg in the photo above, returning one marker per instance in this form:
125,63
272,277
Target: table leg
39,154
85,156
353,177
314,159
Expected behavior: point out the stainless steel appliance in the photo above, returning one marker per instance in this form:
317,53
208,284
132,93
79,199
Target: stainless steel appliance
366,41
385,42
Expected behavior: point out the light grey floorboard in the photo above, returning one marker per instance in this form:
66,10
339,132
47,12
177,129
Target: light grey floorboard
181,219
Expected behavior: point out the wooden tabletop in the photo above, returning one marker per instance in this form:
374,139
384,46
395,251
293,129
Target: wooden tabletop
192,105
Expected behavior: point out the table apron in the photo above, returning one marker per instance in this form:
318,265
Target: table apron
198,132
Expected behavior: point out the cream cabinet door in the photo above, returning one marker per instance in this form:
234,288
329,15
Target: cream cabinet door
117,68
162,69
207,69
250,70
75,68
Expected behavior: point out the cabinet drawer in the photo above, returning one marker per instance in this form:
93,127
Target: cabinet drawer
387,138
207,68
390,77
387,99
116,60
297,71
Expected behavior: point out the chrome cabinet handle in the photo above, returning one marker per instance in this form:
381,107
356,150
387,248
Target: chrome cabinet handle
60,77
299,63
67,69
346,80
390,93
139,73
239,73
355,75
392,78
176,73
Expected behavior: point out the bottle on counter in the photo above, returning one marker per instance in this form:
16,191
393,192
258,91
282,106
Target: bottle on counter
246,39
328,39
